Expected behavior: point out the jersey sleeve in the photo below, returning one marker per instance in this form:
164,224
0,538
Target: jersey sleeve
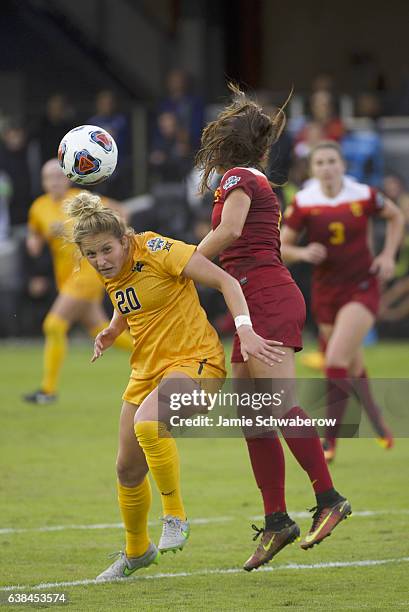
167,255
239,178
34,222
294,217
376,202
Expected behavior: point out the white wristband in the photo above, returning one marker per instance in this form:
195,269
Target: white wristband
242,320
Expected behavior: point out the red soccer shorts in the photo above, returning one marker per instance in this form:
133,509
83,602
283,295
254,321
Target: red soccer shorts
277,313
327,301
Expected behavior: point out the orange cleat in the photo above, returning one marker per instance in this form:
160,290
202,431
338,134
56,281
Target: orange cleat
329,448
385,439
325,519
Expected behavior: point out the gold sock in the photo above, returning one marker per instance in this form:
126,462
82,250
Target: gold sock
134,503
55,331
124,340
162,458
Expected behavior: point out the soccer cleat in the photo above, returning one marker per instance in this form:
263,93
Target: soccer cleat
271,543
40,397
314,360
175,534
324,521
329,448
124,566
385,438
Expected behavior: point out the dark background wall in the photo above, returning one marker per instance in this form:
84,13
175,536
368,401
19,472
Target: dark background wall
356,41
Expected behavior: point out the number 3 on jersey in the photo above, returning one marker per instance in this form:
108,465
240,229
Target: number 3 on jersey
127,301
337,230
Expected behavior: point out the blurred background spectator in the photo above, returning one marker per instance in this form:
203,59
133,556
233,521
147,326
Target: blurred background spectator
50,126
322,123
20,169
186,105
170,158
362,144
108,116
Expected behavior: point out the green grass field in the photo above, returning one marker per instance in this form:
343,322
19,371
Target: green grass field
57,470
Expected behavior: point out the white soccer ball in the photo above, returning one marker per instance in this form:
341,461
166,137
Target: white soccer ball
88,154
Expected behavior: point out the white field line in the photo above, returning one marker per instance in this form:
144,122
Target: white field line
197,521
211,572
48,528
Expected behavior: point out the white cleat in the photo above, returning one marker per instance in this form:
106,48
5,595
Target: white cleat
125,566
175,534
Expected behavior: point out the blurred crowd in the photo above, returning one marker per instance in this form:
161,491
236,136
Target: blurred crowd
171,205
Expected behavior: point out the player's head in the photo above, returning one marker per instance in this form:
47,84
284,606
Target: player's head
327,163
53,179
101,235
241,135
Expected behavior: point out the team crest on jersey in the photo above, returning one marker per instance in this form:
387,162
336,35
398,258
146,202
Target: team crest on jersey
156,244
356,209
231,181
217,195
138,266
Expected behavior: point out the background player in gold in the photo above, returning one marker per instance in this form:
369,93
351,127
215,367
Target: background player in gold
149,279
80,291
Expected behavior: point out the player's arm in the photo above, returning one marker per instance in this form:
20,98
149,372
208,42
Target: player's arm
34,243
313,253
234,215
107,336
203,271
384,264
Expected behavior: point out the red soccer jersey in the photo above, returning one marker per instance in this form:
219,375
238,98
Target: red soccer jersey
341,225
259,244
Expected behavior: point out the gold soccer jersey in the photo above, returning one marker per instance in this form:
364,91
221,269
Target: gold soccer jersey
162,308
73,276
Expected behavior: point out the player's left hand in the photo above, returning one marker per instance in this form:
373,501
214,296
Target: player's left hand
383,266
103,340
253,344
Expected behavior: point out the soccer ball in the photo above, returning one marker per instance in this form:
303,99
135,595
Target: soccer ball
87,154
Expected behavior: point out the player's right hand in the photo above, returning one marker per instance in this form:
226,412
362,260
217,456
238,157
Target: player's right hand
104,340
314,253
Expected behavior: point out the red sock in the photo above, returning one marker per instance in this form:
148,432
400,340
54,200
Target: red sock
305,445
267,460
337,400
363,390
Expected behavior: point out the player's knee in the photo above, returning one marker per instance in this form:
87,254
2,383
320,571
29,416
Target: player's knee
129,474
148,432
333,360
54,326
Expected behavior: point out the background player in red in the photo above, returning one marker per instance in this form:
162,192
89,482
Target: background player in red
246,236
335,211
